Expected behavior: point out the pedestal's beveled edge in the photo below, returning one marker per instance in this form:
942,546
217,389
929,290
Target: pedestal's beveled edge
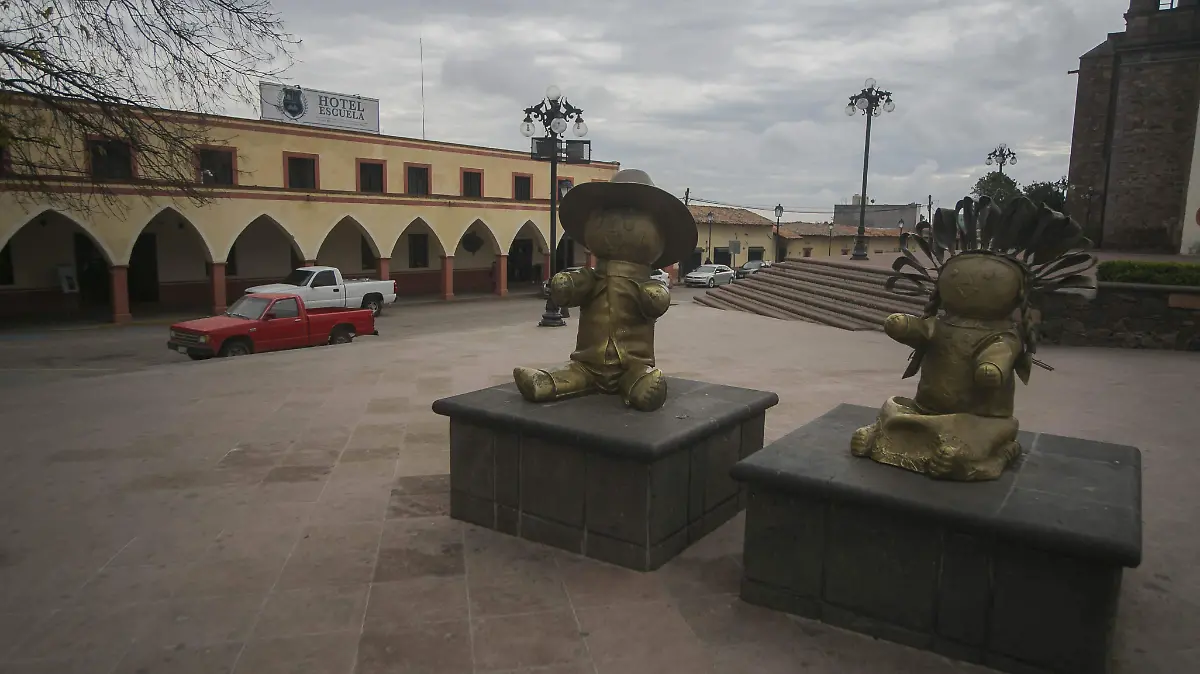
762,469
488,407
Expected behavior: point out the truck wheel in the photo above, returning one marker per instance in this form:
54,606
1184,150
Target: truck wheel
375,304
341,336
235,347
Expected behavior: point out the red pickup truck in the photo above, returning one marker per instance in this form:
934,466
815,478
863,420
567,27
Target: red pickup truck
268,322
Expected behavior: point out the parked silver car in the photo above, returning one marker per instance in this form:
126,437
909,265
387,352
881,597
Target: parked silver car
709,275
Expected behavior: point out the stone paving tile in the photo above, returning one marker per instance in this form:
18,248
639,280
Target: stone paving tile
308,654
433,648
313,610
140,542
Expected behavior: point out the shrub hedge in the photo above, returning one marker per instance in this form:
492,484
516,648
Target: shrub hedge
1154,273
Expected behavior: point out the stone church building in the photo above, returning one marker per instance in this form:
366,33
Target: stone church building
1135,165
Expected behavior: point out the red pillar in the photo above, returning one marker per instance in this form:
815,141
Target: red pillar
383,265
546,268
120,294
310,263
500,283
591,259
220,299
673,272
447,277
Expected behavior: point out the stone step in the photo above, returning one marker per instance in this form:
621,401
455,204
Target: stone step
871,297
866,316
865,284
867,275
716,303
845,266
807,310
750,304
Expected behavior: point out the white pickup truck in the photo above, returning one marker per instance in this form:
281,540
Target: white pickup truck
321,287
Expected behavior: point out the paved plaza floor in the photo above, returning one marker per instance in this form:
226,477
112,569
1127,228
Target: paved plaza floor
286,513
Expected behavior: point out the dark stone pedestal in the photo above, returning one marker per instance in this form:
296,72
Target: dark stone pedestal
591,476
1021,574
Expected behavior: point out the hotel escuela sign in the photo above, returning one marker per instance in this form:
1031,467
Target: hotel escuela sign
311,107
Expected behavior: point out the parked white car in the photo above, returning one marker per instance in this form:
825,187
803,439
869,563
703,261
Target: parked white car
709,275
321,287
661,276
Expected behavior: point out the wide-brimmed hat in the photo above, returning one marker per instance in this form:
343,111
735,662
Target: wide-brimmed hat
632,188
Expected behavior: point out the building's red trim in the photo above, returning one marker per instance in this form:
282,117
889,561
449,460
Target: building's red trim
358,162
220,148
462,181
303,155
286,128
429,170
282,194
516,175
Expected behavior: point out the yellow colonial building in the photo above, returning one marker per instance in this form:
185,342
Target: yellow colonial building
717,227
438,218
822,239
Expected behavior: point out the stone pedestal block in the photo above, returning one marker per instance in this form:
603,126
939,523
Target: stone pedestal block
1021,574
595,478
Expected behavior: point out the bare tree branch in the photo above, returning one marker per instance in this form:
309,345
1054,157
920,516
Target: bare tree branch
77,69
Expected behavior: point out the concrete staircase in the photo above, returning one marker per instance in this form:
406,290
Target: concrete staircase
839,294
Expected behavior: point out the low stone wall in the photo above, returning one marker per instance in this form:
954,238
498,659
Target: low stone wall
1125,315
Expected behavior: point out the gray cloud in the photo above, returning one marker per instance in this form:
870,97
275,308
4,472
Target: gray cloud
741,102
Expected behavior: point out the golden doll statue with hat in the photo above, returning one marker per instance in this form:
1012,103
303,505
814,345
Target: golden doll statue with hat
632,227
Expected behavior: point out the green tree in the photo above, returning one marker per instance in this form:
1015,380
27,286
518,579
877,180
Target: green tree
996,185
1053,194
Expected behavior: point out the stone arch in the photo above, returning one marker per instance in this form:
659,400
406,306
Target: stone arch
349,246
60,267
475,258
257,254
169,260
99,243
416,259
527,255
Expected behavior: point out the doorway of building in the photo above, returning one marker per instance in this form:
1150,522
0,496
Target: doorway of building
722,256
143,270
691,262
520,261
95,278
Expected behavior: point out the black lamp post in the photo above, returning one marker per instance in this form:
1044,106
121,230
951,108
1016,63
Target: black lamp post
778,217
553,113
708,253
829,252
1002,156
872,102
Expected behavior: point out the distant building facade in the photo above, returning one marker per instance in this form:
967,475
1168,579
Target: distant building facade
823,239
878,215
753,232
1133,174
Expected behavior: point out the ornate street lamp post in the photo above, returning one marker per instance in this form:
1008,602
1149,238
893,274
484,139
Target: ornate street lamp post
554,113
708,253
829,252
1001,157
778,217
872,102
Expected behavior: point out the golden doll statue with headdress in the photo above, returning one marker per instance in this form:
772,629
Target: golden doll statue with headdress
977,335
632,227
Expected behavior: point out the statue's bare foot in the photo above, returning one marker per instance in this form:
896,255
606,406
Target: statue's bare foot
649,392
860,442
946,463
535,385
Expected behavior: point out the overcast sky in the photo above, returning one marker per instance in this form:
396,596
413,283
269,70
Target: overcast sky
740,101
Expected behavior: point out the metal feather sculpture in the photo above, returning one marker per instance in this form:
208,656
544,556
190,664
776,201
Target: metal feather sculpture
980,266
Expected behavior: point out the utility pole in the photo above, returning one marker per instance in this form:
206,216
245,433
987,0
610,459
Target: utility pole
687,195
930,209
